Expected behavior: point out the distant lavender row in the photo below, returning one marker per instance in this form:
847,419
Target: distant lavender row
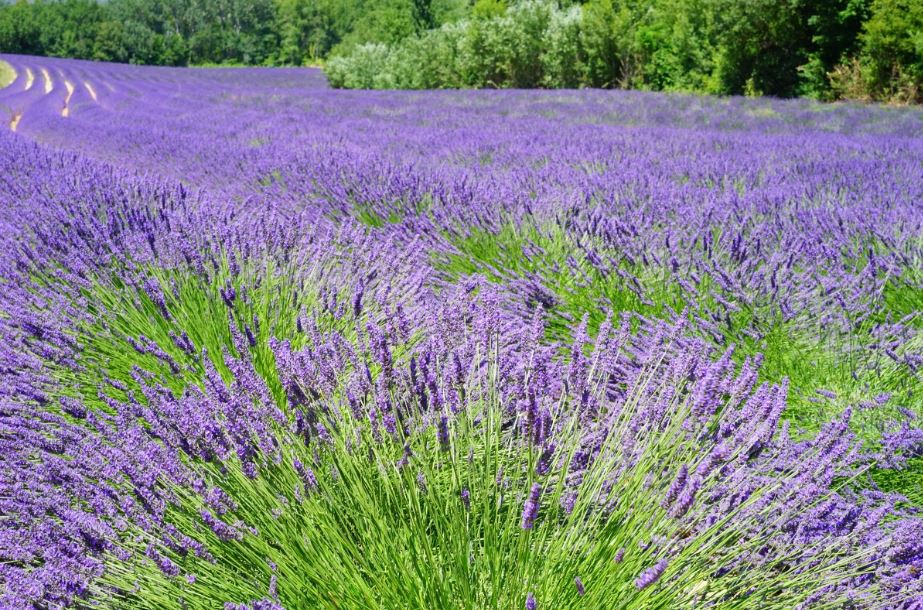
215,280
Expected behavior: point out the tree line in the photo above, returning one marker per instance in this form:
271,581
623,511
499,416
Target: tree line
827,49
197,32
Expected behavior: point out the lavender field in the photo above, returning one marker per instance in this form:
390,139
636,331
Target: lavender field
265,344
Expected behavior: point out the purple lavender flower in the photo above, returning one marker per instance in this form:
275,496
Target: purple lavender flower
442,432
543,464
675,487
651,575
530,510
687,497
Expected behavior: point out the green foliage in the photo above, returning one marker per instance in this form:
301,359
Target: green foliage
754,47
307,31
413,521
386,22
807,356
423,16
180,32
365,70
510,49
763,44
662,45
907,481
825,49
487,9
892,50
66,28
835,27
718,46
601,51
564,59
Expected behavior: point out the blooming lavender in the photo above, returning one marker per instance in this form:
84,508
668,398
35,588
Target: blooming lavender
651,575
248,321
530,509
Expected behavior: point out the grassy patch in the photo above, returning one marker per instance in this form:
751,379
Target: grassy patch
370,218
380,214
419,522
902,299
827,370
158,306
7,74
554,274
908,481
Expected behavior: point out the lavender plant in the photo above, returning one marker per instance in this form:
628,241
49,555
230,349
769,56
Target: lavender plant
286,347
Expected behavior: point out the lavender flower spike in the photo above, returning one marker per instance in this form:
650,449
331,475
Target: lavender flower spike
530,510
651,575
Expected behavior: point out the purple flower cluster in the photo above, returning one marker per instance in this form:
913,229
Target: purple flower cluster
651,575
218,272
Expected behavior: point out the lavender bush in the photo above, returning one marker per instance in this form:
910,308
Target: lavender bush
268,345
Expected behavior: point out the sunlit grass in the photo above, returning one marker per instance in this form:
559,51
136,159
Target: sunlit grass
414,522
7,74
827,370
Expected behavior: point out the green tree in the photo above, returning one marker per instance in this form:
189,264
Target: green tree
111,42
423,16
763,44
605,50
19,29
892,50
835,26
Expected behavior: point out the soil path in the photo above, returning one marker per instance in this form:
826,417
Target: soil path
65,112
49,84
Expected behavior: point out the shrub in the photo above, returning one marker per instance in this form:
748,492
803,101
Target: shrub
367,67
892,50
563,59
505,49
